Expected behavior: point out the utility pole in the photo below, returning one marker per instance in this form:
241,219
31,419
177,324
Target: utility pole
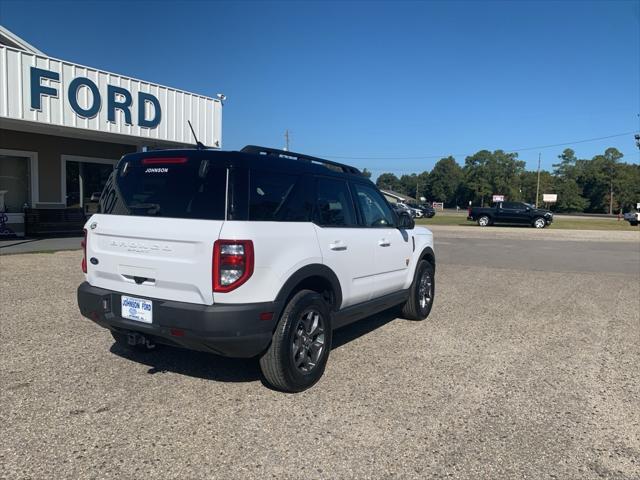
538,187
611,196
286,140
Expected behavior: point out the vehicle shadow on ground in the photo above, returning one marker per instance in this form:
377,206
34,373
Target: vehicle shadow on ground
363,327
209,366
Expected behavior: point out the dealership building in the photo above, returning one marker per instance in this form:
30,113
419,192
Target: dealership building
63,127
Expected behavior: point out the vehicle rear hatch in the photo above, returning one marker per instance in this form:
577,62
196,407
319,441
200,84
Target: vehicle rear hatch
158,219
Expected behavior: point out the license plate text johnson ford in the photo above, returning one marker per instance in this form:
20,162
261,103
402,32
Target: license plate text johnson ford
137,309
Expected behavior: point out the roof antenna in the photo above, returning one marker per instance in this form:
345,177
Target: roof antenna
199,144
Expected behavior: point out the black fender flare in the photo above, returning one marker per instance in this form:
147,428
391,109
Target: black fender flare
428,254
308,271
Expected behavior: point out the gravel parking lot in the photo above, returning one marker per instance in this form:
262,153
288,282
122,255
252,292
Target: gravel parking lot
526,368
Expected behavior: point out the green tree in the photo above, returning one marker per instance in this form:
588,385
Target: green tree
529,186
566,168
598,178
445,181
414,185
389,181
627,187
477,175
489,173
366,172
611,167
566,175
570,197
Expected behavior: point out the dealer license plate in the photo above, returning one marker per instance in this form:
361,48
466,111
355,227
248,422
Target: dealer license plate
137,309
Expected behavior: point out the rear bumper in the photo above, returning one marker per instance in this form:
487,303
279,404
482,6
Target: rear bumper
224,329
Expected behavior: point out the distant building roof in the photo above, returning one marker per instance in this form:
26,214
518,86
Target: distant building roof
398,196
10,39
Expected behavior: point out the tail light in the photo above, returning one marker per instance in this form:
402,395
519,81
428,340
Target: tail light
84,251
232,264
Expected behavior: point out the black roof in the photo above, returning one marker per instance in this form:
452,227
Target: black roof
255,157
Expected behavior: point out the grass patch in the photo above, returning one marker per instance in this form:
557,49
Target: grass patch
559,223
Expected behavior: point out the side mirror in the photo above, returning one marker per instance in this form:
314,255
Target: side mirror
405,221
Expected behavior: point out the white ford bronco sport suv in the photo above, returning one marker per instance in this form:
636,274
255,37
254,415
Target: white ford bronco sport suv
257,253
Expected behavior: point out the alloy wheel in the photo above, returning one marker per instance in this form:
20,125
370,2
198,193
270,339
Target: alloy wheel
424,290
308,343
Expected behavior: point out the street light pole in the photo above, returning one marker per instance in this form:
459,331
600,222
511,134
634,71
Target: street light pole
538,186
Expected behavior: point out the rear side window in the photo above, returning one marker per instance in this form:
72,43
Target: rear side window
278,197
334,207
186,188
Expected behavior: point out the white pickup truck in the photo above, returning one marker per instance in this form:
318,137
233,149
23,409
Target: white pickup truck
632,218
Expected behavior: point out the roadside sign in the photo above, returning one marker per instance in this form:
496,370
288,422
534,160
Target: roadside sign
550,197
438,205
498,198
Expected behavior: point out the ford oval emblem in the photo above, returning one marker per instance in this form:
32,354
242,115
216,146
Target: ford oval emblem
94,261
93,225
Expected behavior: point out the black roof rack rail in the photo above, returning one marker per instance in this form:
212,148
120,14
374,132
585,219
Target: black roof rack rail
299,156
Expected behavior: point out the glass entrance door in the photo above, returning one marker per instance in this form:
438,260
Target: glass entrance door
85,180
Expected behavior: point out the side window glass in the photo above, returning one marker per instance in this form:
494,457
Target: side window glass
334,206
374,209
277,197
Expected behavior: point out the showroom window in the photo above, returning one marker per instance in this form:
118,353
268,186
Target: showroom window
15,181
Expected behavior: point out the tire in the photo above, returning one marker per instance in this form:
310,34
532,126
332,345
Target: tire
539,222
484,221
418,305
123,341
301,344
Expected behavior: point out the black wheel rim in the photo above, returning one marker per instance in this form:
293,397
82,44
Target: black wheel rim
425,290
308,343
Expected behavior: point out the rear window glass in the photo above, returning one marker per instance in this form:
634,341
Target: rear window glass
192,189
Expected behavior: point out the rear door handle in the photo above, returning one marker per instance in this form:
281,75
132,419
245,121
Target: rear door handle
384,242
338,246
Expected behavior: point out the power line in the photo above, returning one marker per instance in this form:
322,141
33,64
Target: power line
513,150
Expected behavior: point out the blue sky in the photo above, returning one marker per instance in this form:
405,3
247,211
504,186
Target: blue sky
380,81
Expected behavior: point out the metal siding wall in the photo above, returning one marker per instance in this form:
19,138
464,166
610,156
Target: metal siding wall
177,106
